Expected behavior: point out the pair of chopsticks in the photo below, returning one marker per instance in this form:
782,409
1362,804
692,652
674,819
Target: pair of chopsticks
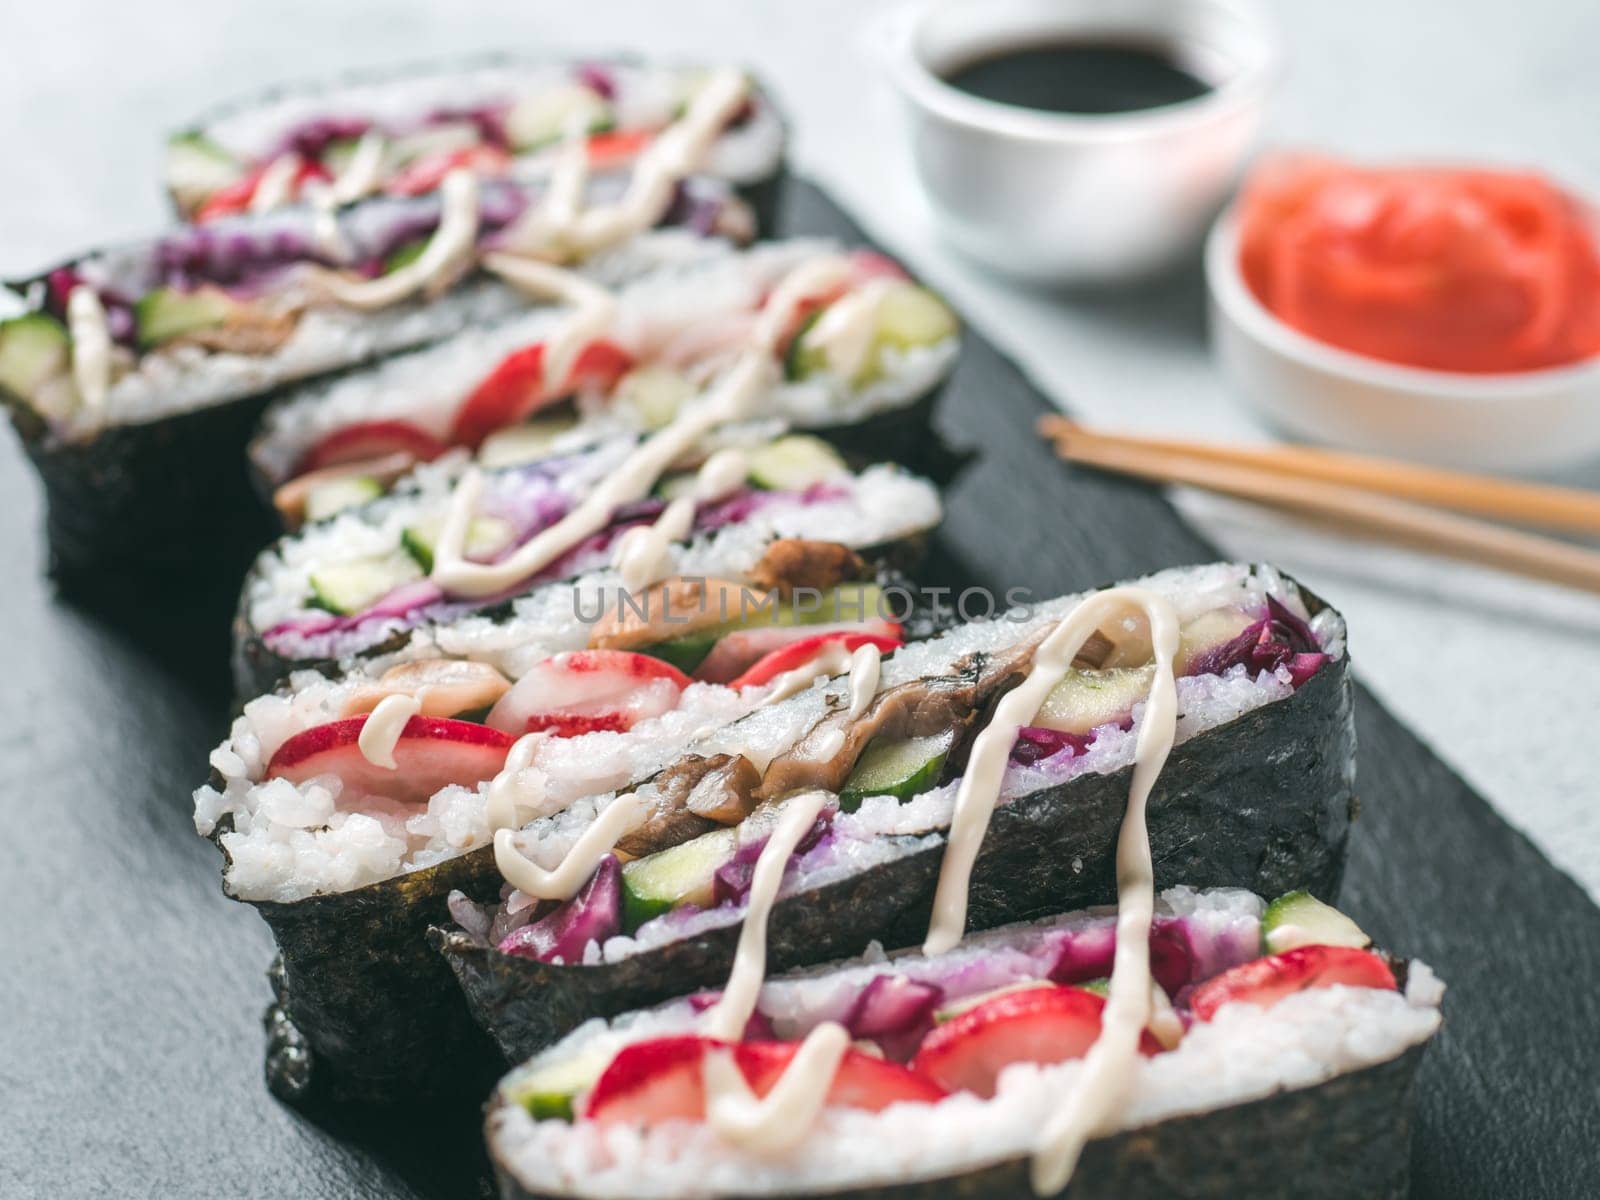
1418,505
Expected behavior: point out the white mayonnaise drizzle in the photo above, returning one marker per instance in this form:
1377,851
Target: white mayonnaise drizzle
643,554
831,659
383,728
621,816
728,401
781,1119
594,308
846,330
364,172
727,1018
91,347
519,787
276,183
865,666
451,243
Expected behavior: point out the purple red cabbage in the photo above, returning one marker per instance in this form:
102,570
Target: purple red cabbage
1035,744
892,1006
593,915
730,510
597,77
757,1029
490,121
311,138
1088,953
731,883
1280,639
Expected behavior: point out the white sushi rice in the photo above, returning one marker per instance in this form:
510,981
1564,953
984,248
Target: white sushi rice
181,378
696,311
647,95
290,841
884,829
1244,1053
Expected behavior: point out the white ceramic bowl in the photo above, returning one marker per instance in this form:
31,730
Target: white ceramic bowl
1067,198
1526,420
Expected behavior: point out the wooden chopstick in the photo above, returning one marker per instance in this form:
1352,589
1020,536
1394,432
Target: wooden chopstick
1417,524
1543,505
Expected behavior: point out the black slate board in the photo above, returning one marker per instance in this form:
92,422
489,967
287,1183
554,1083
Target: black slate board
130,990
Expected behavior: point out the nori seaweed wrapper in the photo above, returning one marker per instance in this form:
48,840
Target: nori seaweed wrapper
151,499
1263,802
1346,1139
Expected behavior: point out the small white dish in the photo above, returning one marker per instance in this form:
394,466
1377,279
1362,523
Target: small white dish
1525,420
1068,198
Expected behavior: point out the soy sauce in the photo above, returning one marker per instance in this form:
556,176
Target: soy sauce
1086,77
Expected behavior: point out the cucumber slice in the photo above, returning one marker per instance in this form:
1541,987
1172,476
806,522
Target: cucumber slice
847,602
1086,700
339,494
198,167
680,875
902,769
804,359
794,463
548,1093
675,487
910,316
1100,987
525,443
486,537
654,394
1300,919
166,313
349,588
33,349
543,117
685,653
404,255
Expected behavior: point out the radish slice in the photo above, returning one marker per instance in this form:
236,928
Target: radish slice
370,440
1267,980
586,691
738,652
431,754
796,654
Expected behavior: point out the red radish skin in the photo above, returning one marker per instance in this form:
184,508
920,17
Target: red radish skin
614,148
589,691
432,753
427,174
739,651
796,654
1267,980
663,1080
1039,1025
516,388
236,197
369,440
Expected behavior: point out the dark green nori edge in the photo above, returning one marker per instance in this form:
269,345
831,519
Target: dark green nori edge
1264,802
148,500
1346,1139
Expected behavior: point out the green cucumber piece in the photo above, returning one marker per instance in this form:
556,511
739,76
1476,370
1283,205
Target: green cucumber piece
685,653
910,316
166,313
525,443
33,349
336,495
404,255
654,394
847,602
794,463
677,486
902,768
803,359
1100,987
348,588
542,118
1300,919
548,1092
197,167
683,874
486,537
1086,700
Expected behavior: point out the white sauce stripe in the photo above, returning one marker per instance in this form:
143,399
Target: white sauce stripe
91,347
451,243
727,1018
784,1116
381,732
621,816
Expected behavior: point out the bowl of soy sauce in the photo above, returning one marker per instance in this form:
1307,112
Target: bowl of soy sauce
1073,141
